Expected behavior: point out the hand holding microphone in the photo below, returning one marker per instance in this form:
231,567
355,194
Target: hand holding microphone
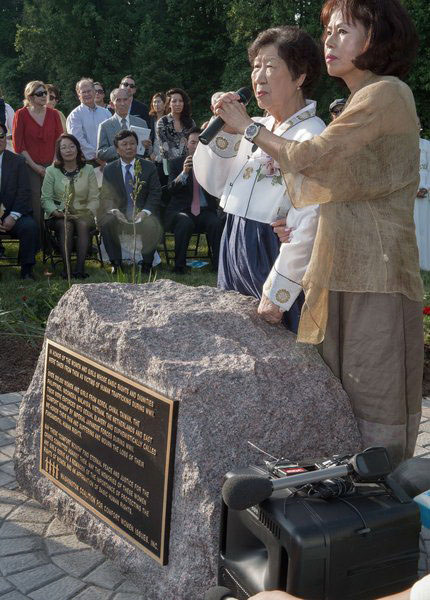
188,164
230,110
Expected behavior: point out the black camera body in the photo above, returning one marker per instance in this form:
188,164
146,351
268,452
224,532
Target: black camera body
360,544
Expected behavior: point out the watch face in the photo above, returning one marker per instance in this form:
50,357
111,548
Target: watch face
251,131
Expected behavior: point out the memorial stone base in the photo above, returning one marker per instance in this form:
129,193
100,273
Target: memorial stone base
236,379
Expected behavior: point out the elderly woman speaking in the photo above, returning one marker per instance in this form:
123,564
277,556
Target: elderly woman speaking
286,65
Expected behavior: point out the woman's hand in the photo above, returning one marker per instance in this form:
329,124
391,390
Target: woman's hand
233,113
283,232
269,311
40,170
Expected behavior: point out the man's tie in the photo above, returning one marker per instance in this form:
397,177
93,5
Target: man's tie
195,204
123,123
129,192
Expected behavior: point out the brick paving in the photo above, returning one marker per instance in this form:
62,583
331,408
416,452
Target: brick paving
41,559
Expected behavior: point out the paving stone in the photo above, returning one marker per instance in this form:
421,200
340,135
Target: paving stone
22,562
57,528
14,595
5,478
33,579
80,563
8,467
5,586
9,410
33,512
128,587
15,498
64,543
9,449
5,439
425,426
14,397
11,529
423,439
122,596
64,588
92,593
422,452
106,576
28,544
5,509
11,433
13,485
7,423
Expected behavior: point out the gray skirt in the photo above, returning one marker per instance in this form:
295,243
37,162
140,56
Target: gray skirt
374,344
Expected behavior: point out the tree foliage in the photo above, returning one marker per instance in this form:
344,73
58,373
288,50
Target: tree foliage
200,45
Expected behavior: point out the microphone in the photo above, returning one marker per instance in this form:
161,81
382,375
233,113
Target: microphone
217,124
219,593
242,491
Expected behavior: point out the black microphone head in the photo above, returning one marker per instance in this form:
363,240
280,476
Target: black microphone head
245,95
218,593
242,491
413,475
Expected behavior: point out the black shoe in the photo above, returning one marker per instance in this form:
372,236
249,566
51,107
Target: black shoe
79,275
115,267
146,268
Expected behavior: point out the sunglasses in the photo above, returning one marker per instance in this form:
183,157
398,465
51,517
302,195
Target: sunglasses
126,84
99,91
40,94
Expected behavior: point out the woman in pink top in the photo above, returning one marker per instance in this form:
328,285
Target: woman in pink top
35,131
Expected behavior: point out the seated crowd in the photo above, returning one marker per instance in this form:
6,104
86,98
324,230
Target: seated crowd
114,169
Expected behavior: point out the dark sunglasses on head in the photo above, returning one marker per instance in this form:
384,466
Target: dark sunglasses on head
126,84
40,94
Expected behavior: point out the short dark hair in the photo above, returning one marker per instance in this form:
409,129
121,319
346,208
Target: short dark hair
59,161
53,88
296,48
186,119
193,130
392,40
122,135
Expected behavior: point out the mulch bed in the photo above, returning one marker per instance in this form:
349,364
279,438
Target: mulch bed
18,360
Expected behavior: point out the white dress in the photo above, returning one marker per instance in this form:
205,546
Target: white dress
250,185
422,208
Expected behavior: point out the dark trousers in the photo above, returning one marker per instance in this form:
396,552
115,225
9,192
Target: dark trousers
149,231
27,232
184,224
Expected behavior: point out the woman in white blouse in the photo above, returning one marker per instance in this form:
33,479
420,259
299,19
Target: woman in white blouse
286,65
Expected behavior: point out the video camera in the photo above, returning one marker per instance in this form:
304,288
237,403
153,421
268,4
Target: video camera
332,529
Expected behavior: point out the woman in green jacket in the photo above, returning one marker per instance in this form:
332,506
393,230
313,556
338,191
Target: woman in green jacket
70,178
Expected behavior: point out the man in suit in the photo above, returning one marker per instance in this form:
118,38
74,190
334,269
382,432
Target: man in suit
137,108
121,181
15,197
121,100
191,209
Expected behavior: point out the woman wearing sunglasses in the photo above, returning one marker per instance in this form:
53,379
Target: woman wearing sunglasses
35,130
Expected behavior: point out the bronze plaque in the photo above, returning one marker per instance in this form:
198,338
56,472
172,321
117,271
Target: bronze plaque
109,442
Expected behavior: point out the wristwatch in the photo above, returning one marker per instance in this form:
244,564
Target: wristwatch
252,131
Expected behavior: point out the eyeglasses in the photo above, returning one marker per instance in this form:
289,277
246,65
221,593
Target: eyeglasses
99,91
51,97
126,84
40,94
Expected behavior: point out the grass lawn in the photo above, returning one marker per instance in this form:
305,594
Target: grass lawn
25,305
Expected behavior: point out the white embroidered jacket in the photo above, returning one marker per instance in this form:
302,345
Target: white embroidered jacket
249,184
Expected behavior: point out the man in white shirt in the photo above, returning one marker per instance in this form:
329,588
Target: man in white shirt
83,122
122,119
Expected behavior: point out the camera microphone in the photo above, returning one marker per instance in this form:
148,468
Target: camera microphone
217,124
219,593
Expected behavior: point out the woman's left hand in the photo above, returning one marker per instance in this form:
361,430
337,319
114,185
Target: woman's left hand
269,311
233,112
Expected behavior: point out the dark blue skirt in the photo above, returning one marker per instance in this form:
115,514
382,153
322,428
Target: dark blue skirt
247,253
